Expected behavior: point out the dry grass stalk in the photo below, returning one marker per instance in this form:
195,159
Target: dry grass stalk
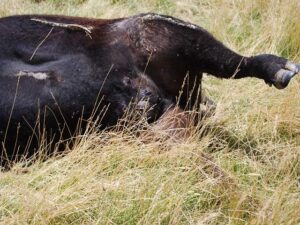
86,29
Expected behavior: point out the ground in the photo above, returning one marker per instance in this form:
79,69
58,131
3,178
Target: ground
242,166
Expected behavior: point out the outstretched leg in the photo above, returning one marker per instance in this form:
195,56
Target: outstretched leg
212,57
170,49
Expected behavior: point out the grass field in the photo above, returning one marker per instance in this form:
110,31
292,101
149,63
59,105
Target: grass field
252,175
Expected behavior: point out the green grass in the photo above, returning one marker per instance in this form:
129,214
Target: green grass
245,168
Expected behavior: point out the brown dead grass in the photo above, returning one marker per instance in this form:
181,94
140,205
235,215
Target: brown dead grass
117,178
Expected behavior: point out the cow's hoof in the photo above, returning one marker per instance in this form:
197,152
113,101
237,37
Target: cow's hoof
282,78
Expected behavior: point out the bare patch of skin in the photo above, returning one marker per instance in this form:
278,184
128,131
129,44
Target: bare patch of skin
36,75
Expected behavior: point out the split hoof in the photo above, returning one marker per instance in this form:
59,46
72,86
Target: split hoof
283,76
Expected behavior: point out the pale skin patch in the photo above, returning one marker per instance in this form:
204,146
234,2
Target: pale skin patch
36,75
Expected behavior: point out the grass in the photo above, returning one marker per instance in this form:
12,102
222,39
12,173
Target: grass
115,178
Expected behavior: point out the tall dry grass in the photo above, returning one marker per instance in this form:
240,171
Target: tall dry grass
115,178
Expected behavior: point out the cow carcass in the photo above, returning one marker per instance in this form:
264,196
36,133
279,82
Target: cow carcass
58,71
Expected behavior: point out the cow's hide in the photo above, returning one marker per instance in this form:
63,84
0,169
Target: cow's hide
55,70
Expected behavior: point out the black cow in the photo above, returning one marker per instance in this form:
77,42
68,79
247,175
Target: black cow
55,70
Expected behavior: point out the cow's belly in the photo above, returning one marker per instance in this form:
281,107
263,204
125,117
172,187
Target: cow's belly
51,92
58,93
